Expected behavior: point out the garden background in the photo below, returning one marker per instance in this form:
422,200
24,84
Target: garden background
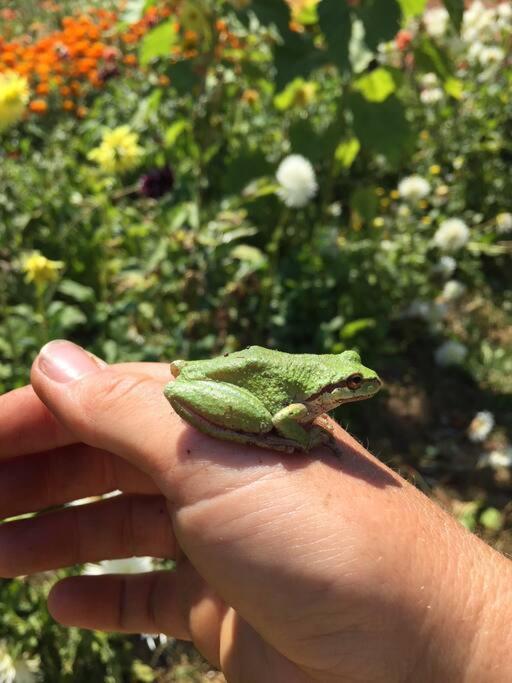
185,178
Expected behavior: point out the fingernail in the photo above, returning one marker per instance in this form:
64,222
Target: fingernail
63,361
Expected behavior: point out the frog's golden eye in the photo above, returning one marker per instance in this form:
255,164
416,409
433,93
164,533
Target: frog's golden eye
354,381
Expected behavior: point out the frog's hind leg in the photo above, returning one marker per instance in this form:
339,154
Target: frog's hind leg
203,425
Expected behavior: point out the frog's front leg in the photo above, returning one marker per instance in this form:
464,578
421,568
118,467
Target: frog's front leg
287,423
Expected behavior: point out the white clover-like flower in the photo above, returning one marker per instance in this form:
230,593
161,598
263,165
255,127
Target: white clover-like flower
453,290
478,20
500,458
429,80
481,426
414,187
436,21
504,13
129,565
504,222
297,181
491,54
445,266
450,353
431,95
452,234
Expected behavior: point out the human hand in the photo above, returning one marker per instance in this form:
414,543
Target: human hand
289,568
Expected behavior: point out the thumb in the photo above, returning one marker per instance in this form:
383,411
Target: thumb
120,408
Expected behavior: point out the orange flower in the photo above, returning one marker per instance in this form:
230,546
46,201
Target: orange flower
130,60
38,106
81,112
164,80
65,90
42,89
68,105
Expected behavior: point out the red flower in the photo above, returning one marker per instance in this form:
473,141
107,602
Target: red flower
403,39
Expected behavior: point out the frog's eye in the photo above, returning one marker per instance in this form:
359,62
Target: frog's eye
354,381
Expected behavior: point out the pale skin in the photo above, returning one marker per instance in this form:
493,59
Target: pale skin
291,568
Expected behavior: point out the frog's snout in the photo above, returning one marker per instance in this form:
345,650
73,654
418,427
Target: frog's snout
374,385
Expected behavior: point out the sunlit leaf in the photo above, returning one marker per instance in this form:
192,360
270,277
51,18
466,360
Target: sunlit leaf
158,42
377,85
412,8
347,151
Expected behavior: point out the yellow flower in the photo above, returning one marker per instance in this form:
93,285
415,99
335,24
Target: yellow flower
423,204
41,270
394,194
435,169
14,96
378,222
426,220
119,150
384,202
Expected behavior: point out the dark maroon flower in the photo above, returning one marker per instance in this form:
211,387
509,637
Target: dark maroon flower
157,182
108,71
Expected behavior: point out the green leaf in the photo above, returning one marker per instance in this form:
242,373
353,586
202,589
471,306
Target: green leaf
354,327
315,145
183,76
429,57
347,151
76,291
365,203
377,85
382,127
412,8
158,42
272,12
296,56
491,519
174,131
335,22
381,19
454,87
456,11
298,92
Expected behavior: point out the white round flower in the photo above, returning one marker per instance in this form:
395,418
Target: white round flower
436,21
492,54
445,266
481,426
478,20
129,565
475,50
504,12
431,95
504,222
450,353
451,235
297,181
429,80
413,188
502,458
453,290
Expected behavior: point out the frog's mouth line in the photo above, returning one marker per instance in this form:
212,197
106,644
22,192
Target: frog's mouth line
330,388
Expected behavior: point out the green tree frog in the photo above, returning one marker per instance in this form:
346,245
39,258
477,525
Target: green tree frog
268,398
